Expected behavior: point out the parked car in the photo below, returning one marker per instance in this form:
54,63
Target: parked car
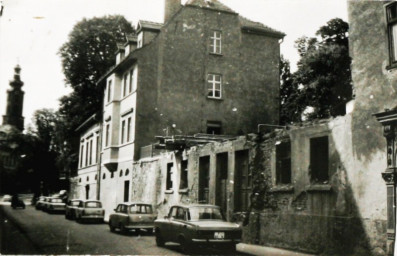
71,207
17,203
6,200
90,210
46,201
197,225
55,205
39,203
132,216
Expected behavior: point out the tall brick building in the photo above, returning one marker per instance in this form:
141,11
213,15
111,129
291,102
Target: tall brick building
206,69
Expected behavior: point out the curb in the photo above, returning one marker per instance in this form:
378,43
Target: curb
268,251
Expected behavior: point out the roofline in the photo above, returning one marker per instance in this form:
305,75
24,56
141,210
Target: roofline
260,31
92,119
207,8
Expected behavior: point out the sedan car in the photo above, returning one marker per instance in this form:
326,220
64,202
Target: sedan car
55,205
39,203
90,210
71,208
46,201
132,216
197,225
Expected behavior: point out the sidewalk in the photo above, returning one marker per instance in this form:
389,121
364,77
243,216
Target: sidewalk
266,251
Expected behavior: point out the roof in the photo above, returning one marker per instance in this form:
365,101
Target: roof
149,25
257,26
210,4
195,205
130,203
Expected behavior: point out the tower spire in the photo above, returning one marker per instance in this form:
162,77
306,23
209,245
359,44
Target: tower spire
15,96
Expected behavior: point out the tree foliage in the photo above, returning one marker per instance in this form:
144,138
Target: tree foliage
86,56
322,82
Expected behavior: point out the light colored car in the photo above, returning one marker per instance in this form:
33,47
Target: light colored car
6,200
71,207
39,203
90,210
132,216
46,202
197,225
55,205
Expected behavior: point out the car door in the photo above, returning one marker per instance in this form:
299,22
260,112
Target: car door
115,216
169,229
180,223
123,215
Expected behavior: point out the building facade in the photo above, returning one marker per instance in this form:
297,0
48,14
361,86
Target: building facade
205,70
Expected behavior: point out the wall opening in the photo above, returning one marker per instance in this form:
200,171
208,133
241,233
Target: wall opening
204,179
214,127
319,159
283,164
221,180
242,181
183,182
169,176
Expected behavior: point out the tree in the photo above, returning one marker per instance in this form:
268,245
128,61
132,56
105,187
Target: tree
322,82
86,56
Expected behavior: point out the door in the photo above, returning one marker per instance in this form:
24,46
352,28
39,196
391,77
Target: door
126,190
221,180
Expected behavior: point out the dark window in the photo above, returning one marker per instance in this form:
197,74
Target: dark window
109,90
319,159
204,179
107,134
127,172
126,190
97,149
391,13
214,127
242,181
283,163
169,176
112,175
121,173
183,183
122,131
81,155
104,176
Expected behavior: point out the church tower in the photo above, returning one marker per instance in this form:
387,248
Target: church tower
15,95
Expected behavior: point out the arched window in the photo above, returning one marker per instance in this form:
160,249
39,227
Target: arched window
80,180
112,175
121,173
96,176
104,176
127,172
88,178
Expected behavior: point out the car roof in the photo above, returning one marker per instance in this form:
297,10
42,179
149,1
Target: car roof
131,203
196,205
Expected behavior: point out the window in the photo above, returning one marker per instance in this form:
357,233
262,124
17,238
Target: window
169,176
81,154
125,84
104,176
214,86
90,153
242,181
183,183
214,127
318,170
122,131
109,90
391,13
131,80
97,149
129,128
86,152
283,163
215,42
107,134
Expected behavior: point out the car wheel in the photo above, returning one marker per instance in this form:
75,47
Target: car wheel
149,231
122,228
184,245
112,229
159,239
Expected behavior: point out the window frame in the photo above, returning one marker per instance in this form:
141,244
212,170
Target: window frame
169,184
109,91
390,23
212,84
313,174
216,42
280,159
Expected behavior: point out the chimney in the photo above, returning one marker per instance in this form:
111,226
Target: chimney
170,8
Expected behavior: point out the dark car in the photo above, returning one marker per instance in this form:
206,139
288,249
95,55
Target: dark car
17,203
71,208
132,216
197,225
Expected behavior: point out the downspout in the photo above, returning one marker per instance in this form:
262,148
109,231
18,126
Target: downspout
99,162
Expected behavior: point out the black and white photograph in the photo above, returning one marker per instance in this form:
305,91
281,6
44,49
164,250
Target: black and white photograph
198,127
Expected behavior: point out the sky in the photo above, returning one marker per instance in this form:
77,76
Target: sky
32,31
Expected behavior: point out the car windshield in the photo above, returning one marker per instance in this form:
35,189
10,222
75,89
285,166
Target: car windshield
141,208
56,200
93,205
205,213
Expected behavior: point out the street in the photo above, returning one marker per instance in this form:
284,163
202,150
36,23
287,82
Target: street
32,231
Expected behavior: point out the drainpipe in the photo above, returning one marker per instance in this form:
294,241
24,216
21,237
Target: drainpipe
99,162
